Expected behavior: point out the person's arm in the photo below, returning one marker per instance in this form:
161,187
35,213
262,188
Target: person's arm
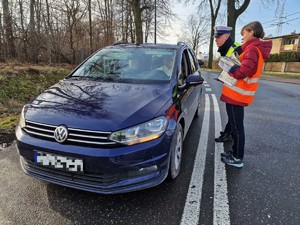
248,65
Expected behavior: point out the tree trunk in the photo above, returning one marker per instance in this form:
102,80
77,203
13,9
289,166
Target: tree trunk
1,40
49,34
24,38
137,12
32,34
90,26
211,42
38,33
233,14
214,14
9,37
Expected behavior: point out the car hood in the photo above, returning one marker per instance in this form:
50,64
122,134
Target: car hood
98,106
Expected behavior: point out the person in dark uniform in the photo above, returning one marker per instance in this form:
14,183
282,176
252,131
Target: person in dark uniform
226,46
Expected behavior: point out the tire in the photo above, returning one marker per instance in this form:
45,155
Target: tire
176,152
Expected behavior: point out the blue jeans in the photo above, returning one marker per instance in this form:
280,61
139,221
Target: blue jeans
236,120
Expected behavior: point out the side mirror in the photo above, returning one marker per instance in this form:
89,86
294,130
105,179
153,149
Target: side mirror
200,62
194,80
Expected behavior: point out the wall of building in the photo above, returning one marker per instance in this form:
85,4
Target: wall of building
283,67
293,67
276,43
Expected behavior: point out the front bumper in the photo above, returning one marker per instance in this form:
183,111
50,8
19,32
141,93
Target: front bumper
106,171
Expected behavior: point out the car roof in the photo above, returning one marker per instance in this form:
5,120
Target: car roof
179,45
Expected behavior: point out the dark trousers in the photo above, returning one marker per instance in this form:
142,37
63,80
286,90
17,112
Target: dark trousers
228,129
236,120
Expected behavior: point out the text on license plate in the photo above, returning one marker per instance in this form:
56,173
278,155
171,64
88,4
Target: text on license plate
69,164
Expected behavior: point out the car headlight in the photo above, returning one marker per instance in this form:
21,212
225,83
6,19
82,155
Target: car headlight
22,118
141,133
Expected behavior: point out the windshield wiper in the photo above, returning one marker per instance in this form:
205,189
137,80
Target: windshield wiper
106,78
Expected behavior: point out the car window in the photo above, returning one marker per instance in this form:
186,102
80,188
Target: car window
137,64
193,65
183,72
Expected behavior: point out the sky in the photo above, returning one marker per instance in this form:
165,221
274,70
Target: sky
290,21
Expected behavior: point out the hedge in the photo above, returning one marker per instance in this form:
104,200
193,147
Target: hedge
285,57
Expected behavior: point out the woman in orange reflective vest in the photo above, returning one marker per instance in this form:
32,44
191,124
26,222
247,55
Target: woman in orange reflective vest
236,97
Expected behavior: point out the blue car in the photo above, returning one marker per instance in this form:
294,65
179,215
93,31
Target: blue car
116,123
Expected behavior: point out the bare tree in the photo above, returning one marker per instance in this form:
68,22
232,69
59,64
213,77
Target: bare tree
143,11
90,25
234,10
32,35
196,31
214,10
49,32
137,12
1,40
74,14
108,9
23,33
148,21
8,28
106,21
164,17
69,30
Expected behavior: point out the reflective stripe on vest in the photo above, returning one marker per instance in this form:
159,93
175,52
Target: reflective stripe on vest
251,81
240,90
244,90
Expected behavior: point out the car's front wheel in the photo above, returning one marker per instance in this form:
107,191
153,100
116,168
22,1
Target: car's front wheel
176,152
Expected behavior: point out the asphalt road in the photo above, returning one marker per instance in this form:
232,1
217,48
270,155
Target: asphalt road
265,191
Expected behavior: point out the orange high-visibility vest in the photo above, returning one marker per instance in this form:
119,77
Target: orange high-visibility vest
244,90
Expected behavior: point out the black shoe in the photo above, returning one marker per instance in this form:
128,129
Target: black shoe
224,137
226,154
231,161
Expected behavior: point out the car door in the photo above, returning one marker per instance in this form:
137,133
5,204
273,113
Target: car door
190,94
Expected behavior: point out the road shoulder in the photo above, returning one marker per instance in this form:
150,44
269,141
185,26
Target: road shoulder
280,79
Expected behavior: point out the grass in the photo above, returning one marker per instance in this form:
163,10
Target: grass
21,83
8,124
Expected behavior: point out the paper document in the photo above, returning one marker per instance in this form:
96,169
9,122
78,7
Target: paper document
229,63
227,79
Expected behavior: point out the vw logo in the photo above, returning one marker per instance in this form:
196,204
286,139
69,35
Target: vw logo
61,134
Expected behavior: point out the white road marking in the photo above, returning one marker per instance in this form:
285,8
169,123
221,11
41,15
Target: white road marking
221,204
191,210
208,89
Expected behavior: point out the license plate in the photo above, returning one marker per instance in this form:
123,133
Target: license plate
59,162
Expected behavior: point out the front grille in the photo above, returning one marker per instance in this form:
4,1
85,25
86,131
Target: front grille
77,136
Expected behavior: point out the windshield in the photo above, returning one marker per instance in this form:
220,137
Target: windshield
138,64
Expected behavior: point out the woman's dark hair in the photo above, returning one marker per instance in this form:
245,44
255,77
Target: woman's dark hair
256,27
